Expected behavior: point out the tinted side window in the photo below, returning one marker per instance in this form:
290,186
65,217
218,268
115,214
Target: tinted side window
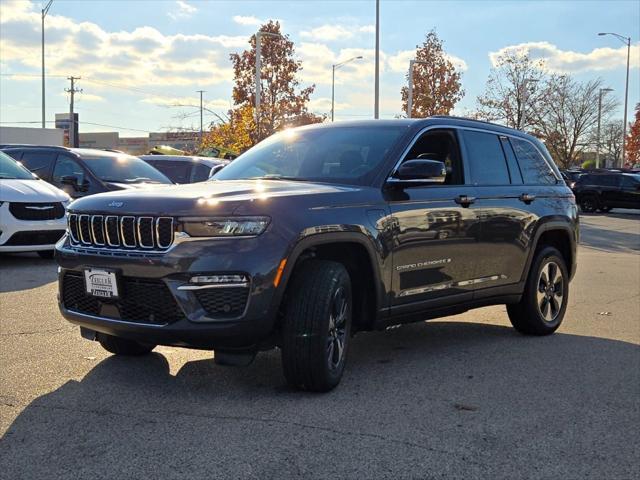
628,182
39,162
514,169
67,167
486,159
200,173
607,180
178,172
535,170
15,154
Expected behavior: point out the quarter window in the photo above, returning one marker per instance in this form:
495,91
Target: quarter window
535,169
486,159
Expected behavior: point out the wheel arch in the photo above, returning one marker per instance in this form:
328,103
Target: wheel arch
359,256
560,234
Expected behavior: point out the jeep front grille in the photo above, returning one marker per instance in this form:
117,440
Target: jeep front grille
121,232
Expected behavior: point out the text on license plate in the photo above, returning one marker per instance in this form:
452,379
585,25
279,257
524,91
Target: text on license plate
101,283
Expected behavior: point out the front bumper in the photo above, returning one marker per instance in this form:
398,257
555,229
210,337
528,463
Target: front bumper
30,230
257,258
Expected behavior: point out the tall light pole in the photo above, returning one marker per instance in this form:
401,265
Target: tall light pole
259,36
626,40
376,102
600,94
44,12
333,80
410,93
201,109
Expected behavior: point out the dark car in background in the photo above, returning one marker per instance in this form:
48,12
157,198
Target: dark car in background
185,169
602,191
86,171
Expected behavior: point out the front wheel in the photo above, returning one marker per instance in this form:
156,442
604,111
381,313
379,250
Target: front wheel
544,301
589,204
317,325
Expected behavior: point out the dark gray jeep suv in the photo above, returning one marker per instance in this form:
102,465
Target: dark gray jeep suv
322,231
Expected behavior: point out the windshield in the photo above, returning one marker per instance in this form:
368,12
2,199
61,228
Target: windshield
13,170
345,155
120,168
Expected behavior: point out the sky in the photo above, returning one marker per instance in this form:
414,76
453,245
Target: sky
138,59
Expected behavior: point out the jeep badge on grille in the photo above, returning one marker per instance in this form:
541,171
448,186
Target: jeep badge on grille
115,204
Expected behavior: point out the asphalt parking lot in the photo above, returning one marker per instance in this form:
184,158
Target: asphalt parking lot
462,397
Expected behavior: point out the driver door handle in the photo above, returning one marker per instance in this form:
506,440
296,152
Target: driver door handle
465,200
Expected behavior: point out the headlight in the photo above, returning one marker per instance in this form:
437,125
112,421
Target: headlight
224,227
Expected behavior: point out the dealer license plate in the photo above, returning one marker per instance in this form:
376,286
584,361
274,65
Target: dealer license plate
101,283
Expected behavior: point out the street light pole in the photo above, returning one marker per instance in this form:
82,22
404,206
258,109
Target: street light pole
627,41
333,80
44,12
601,92
259,36
376,102
410,93
201,109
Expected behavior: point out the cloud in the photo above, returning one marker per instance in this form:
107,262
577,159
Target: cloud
333,32
248,20
181,9
317,59
569,61
140,57
400,61
88,97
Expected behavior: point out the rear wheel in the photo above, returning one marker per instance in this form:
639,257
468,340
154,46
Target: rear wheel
123,346
544,301
589,204
317,325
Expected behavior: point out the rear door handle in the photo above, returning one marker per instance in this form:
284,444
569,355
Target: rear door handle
527,198
465,200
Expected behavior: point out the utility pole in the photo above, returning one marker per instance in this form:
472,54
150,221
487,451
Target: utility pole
600,93
201,131
376,103
627,42
72,91
44,12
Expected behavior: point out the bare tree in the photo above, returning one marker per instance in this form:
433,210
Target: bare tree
611,140
515,87
567,115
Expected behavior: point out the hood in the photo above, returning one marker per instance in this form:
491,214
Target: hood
213,198
131,186
30,191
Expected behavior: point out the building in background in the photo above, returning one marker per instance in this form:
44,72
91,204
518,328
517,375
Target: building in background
187,141
62,122
32,136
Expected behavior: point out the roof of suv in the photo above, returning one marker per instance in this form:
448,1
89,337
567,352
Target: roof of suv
419,123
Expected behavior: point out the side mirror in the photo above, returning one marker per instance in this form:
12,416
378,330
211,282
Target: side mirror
75,183
421,170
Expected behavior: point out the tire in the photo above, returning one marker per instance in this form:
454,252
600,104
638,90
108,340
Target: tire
46,254
542,308
316,328
589,204
122,346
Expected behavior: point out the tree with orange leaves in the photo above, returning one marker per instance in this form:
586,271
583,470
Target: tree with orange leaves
633,140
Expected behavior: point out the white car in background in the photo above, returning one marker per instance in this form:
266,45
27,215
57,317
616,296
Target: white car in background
32,211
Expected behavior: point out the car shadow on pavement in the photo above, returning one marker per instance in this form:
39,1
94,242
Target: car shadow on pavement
445,399
14,266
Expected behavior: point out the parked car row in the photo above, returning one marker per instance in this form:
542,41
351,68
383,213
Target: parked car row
37,182
603,189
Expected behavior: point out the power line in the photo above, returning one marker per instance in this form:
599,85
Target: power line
84,123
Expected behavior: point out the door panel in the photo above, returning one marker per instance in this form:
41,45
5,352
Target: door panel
435,242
